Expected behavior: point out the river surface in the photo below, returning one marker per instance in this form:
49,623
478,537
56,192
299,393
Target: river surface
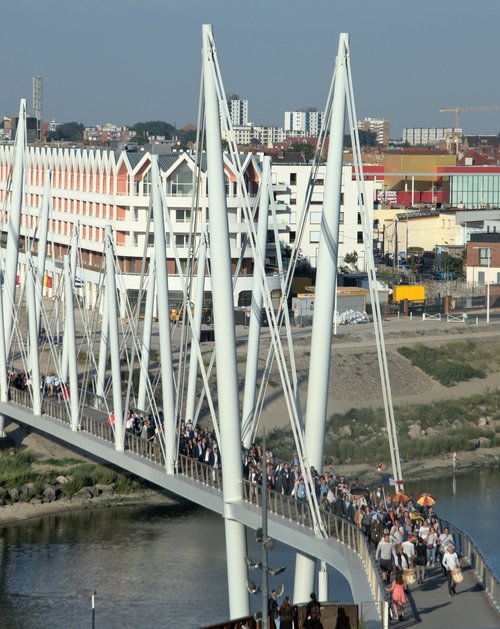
165,566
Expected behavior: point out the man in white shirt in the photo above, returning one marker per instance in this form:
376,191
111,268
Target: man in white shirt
409,548
450,563
384,554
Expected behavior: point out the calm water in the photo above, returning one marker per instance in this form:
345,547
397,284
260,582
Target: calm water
165,566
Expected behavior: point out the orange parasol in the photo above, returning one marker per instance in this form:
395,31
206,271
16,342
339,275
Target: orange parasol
426,500
400,497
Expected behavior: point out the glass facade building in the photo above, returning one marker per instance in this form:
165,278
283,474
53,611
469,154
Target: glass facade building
475,191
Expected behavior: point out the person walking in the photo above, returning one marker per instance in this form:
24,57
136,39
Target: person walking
384,555
399,598
420,559
287,614
451,563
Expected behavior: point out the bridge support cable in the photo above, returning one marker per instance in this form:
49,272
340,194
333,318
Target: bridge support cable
132,332
146,338
114,345
43,230
14,226
71,352
4,387
367,225
282,316
194,339
290,397
33,326
282,313
256,310
103,345
197,319
70,340
225,339
326,285
167,376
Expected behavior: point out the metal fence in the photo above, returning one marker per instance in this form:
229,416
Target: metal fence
469,550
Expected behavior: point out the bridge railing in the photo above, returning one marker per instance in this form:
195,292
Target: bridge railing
279,504
335,527
469,550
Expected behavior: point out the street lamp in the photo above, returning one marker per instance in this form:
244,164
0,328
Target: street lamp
488,249
267,544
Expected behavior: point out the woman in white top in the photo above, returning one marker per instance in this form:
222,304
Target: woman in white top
424,530
450,563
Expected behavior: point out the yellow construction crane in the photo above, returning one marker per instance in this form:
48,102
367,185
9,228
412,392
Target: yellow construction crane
458,111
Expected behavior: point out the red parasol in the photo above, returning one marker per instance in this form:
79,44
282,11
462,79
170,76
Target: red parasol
426,500
400,497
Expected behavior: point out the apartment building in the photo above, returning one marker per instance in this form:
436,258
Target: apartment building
304,122
379,126
98,188
291,182
238,111
423,136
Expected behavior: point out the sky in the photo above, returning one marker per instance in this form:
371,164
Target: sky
125,61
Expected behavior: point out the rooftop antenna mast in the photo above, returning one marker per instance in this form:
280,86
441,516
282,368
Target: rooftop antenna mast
37,105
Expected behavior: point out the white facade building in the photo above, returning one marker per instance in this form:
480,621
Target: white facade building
238,111
417,136
98,188
291,181
306,122
379,126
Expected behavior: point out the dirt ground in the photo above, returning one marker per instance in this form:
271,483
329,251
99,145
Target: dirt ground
355,376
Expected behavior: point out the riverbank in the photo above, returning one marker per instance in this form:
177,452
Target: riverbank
467,463
21,511
429,468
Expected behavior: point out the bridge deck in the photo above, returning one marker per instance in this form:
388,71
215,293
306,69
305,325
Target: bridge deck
431,606
289,521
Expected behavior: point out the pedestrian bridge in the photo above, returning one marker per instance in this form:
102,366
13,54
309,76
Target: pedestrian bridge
289,521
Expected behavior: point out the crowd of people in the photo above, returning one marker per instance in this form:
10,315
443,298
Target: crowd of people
406,538
51,384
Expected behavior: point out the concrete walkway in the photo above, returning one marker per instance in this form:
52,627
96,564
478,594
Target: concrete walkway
431,606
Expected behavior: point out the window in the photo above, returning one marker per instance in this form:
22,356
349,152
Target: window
341,236
360,238
182,181
146,184
315,218
341,218
359,218
293,235
293,179
314,237
480,277
183,215
293,218
181,240
484,256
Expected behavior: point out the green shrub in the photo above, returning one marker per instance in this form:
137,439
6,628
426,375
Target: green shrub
436,363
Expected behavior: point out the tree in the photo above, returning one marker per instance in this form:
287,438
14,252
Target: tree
453,264
306,149
68,131
351,259
154,128
366,138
